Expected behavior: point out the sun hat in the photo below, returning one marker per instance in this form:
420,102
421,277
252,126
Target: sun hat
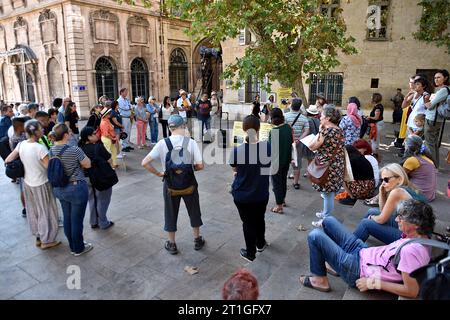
312,109
105,111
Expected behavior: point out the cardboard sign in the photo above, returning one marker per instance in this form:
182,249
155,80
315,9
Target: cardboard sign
239,134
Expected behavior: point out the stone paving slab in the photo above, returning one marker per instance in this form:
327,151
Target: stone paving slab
129,261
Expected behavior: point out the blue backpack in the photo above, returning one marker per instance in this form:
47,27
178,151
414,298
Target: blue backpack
56,175
179,175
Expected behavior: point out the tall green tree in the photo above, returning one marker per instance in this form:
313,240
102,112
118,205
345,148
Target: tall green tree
292,37
434,23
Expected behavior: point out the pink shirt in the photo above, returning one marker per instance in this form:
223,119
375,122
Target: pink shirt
412,257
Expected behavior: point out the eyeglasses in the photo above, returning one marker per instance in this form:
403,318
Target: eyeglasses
387,179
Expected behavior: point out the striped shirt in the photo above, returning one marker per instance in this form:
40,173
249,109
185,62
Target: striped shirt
300,125
71,161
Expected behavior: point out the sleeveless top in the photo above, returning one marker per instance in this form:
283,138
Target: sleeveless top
424,177
415,195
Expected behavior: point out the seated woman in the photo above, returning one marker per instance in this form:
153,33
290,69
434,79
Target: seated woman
380,222
365,148
363,185
371,268
419,167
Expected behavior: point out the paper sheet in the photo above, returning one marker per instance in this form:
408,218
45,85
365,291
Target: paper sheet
308,140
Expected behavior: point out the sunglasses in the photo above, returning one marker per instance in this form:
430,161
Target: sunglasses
387,179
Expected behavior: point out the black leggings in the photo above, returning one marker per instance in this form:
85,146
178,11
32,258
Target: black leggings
253,224
165,128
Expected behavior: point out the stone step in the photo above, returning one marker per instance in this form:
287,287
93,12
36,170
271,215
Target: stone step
355,294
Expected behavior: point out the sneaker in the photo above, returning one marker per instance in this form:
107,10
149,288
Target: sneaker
94,226
246,256
263,248
131,148
296,186
171,247
24,213
317,224
49,245
87,247
320,215
199,243
109,225
38,242
348,201
127,149
60,224
119,156
291,176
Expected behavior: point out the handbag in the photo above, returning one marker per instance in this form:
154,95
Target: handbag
348,173
15,169
318,172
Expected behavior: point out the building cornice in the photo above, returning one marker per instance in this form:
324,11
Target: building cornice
97,4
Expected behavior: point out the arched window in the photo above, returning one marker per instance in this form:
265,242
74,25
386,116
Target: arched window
106,78
178,72
55,80
29,95
139,79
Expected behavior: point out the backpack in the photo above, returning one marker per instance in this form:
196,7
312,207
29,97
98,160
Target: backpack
101,174
179,175
56,175
444,109
5,149
427,242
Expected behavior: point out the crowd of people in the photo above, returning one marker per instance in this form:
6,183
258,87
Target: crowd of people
343,163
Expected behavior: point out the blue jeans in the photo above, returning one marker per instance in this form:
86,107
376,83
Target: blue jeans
328,203
386,233
206,123
153,130
337,246
74,199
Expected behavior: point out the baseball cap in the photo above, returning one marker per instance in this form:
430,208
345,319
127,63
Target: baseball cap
175,121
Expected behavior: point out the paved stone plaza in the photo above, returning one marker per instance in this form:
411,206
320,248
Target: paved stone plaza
129,261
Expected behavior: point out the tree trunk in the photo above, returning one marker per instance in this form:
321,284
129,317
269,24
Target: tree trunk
298,87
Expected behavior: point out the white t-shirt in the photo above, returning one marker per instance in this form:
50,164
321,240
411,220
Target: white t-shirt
166,112
419,108
376,169
160,150
31,154
180,105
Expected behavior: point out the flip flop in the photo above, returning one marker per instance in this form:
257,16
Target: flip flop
276,210
307,283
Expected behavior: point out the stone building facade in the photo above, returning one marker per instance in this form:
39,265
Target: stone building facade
388,56
86,49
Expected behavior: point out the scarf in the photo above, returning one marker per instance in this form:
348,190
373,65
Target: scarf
352,113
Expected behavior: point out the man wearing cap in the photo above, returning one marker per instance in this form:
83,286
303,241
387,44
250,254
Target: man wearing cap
300,125
125,113
153,109
321,101
172,202
184,106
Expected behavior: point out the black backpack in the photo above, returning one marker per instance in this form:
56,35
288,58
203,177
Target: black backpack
179,175
101,174
5,149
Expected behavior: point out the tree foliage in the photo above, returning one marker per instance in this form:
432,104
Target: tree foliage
293,37
434,24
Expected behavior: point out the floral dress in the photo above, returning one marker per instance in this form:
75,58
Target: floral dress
333,145
350,130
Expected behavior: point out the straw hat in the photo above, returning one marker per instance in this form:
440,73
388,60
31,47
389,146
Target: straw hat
312,109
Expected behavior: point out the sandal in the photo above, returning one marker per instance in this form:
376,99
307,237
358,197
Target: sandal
276,210
307,283
371,202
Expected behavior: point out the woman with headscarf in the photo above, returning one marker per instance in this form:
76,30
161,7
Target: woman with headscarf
351,124
419,167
